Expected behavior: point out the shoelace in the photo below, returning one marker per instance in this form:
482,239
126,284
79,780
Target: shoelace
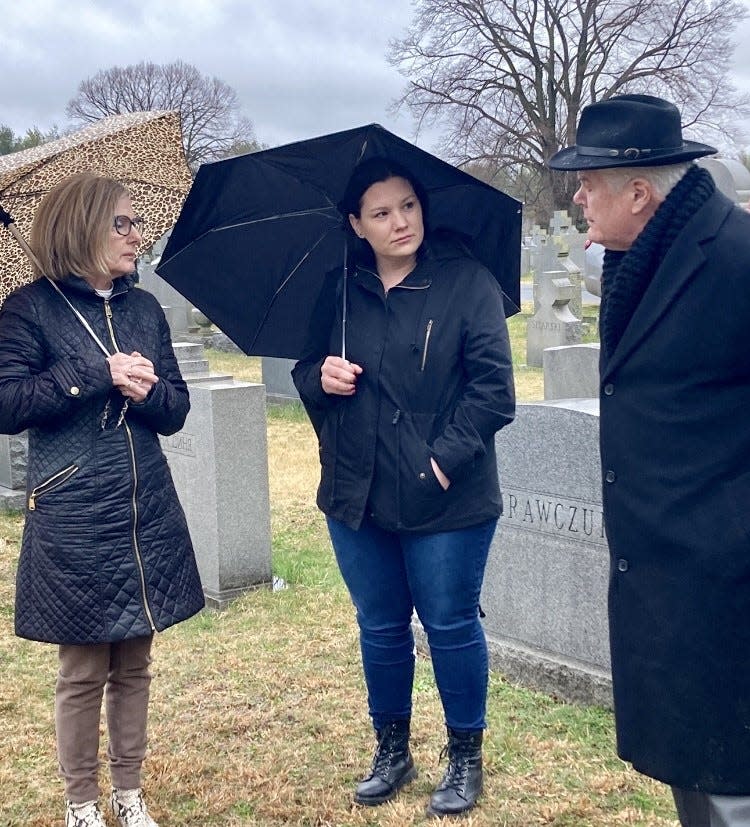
456,773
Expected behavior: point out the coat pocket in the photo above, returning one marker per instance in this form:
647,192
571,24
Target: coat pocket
420,495
50,484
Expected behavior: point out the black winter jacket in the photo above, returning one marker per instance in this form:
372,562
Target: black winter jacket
106,553
437,382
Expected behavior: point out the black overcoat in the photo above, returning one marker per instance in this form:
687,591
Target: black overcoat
675,449
437,381
106,554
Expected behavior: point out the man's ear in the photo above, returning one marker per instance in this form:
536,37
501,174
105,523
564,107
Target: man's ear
643,196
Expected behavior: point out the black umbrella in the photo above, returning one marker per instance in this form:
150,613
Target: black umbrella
258,232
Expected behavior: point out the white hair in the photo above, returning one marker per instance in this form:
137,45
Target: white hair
662,179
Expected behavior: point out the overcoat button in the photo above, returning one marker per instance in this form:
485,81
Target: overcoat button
422,475
622,565
610,476
609,389
75,390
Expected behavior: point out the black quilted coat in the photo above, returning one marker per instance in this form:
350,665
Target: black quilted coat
106,553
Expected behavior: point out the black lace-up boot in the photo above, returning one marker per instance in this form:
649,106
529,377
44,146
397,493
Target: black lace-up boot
392,765
462,781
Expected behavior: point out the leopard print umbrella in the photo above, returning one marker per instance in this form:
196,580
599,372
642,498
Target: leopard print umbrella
143,150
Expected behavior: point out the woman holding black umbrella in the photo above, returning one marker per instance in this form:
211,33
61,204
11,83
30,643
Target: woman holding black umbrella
406,421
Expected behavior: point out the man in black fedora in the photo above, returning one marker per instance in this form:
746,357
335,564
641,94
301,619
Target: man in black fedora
675,450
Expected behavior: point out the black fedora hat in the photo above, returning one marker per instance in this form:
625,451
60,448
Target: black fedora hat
628,131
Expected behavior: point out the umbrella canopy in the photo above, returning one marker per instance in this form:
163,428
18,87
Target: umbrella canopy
258,232
143,150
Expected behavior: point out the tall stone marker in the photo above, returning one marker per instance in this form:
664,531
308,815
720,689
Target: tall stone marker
553,324
545,589
219,462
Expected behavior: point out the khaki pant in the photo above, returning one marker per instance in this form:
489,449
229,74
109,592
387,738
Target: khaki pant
703,810
84,672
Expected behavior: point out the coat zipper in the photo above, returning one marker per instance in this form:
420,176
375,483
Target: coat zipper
394,422
131,448
48,485
426,344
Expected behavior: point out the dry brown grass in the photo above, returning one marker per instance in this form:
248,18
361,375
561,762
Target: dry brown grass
258,714
258,718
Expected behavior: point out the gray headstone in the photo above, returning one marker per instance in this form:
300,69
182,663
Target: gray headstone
573,271
193,364
177,308
555,256
14,451
553,324
525,259
277,377
571,371
545,589
560,223
219,462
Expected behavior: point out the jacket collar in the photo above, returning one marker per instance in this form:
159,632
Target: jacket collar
80,287
431,254
678,268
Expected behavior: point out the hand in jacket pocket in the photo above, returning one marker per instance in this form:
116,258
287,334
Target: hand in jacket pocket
441,478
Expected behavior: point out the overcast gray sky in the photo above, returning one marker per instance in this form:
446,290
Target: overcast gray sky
300,67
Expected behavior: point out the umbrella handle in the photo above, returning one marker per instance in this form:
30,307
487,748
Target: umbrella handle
343,310
7,220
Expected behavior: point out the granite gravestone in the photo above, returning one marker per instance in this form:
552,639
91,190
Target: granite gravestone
14,450
571,371
277,377
553,324
545,589
219,462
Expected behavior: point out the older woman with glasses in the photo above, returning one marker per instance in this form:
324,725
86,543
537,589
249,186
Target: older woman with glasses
87,367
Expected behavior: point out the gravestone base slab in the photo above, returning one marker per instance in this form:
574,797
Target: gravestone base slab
218,601
567,680
12,499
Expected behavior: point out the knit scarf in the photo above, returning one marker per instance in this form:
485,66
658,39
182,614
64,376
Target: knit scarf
626,275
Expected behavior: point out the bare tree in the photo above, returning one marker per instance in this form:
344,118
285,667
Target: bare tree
211,123
509,77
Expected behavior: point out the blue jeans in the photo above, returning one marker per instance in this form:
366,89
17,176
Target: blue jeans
390,574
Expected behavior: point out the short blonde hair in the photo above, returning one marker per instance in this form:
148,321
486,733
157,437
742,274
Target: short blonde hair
72,226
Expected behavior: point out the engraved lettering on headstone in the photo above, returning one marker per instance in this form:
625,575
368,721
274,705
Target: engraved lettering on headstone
179,443
573,519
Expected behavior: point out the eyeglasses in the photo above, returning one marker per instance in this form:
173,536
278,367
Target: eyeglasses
123,224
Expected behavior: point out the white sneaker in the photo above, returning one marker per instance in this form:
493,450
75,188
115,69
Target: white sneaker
87,814
130,809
